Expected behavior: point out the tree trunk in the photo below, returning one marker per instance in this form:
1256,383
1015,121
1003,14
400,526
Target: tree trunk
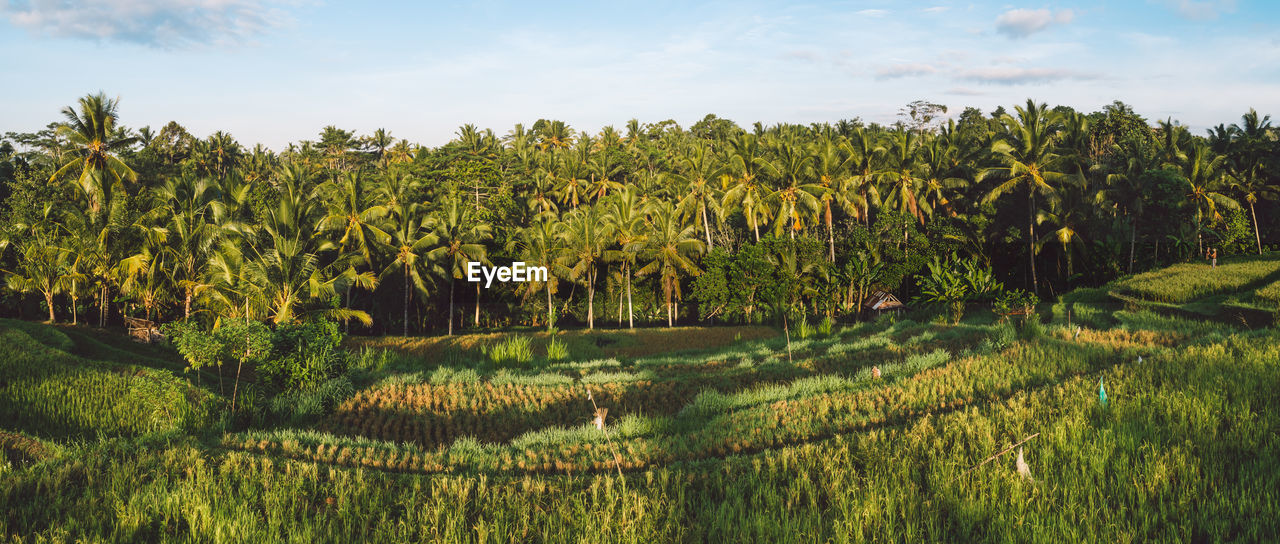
591,300
451,282
406,300
48,299
1199,240
631,323
706,225
831,233
1031,240
1133,239
477,318
186,304
550,309
755,227
1256,235
236,389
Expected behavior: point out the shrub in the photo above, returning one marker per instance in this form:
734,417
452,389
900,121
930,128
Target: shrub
826,326
304,355
804,329
557,350
513,350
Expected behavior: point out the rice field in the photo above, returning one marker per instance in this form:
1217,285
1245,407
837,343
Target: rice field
1187,282
879,431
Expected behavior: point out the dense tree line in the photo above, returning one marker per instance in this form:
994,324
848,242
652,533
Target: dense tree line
652,223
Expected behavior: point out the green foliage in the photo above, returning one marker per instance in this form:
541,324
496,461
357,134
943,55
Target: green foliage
514,350
303,355
54,393
1190,281
557,350
1015,301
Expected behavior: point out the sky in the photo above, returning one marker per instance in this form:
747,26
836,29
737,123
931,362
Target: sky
275,72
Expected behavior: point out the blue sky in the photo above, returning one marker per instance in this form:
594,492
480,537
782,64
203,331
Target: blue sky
275,72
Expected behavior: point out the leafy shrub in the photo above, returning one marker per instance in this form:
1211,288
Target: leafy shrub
304,355
1016,300
826,326
557,350
512,350
804,329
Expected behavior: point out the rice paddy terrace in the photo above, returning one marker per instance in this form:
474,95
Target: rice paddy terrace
878,431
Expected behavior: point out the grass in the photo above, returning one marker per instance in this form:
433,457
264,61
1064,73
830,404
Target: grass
724,442
1182,283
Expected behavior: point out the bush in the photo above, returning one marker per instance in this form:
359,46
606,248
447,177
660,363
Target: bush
826,326
515,349
557,350
804,329
304,355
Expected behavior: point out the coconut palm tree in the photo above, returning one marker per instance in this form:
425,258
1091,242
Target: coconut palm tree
668,249
540,244
586,236
1029,163
188,207
746,190
796,197
460,238
42,266
1252,187
95,142
625,215
864,162
1204,173
698,179
409,239
1124,189
903,176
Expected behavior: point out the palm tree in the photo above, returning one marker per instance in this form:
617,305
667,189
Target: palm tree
831,168
1252,187
538,196
1203,173
625,215
586,235
145,276
188,205
668,249
42,266
698,184
541,244
903,176
285,268
744,174
409,237
864,163
352,210
460,237
93,135
381,140
795,198
1125,188
1026,150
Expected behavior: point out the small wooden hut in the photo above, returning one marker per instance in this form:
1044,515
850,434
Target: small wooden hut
883,301
142,329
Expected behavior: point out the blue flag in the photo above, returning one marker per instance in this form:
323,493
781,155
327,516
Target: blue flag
1102,394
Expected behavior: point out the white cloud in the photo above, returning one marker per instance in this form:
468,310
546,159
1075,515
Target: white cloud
905,70
935,9
964,91
1020,23
1204,10
1010,75
165,24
